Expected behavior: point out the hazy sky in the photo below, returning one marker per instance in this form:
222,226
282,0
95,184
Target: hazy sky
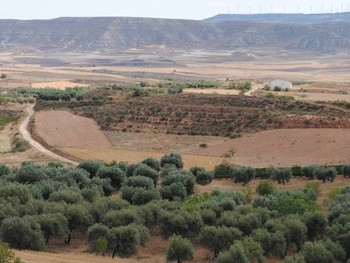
189,9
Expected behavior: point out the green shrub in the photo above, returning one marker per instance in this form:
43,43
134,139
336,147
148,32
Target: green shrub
222,170
265,188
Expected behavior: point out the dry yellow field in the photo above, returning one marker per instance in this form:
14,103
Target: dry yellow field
212,91
57,85
110,155
308,96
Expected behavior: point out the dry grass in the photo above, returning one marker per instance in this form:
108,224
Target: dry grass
212,91
286,147
57,85
110,155
161,142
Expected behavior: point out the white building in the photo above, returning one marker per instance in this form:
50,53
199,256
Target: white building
281,83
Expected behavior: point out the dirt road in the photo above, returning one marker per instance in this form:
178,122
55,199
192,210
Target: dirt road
28,137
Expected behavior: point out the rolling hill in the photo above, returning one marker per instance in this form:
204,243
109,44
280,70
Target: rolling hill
109,34
300,19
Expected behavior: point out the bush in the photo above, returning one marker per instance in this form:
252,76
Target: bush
314,186
222,170
265,188
6,255
204,177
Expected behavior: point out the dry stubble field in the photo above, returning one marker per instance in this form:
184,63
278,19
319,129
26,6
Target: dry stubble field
82,139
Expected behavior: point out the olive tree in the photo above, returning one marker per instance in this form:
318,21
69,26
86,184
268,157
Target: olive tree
218,239
113,173
180,250
172,159
242,175
281,175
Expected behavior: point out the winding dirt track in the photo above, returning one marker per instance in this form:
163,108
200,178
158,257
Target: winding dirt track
28,137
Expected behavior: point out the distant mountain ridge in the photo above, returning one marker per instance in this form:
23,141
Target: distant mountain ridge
301,19
121,33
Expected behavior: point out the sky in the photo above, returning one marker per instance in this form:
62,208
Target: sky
183,9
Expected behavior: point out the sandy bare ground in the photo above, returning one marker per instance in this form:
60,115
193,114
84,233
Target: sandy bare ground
62,128
57,85
286,147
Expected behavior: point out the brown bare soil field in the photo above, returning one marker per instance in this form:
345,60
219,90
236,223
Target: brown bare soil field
62,128
286,147
57,85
